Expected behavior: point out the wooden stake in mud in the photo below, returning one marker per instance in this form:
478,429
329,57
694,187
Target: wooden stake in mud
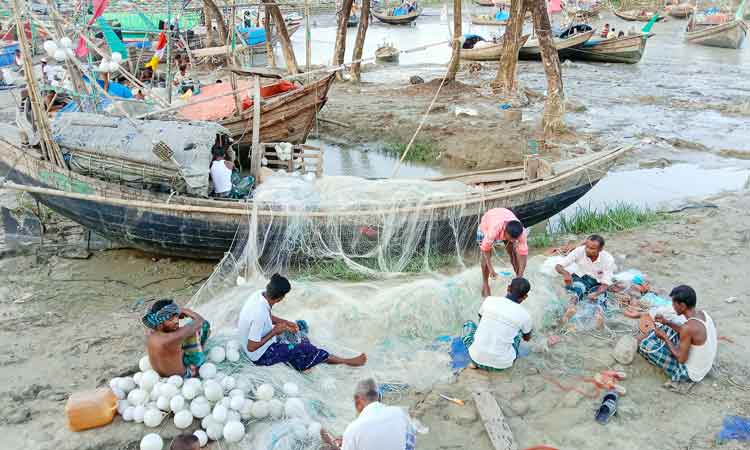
364,20
286,43
216,13
505,82
554,107
492,416
340,48
256,154
269,36
308,37
457,33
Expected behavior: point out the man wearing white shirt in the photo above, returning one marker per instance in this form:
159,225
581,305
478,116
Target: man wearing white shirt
377,427
259,331
493,345
595,269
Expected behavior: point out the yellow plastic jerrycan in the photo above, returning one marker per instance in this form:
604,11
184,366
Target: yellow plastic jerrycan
90,409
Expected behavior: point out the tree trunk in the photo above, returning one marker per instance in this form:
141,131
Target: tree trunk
364,21
457,33
505,82
269,37
286,44
554,107
216,13
340,49
209,26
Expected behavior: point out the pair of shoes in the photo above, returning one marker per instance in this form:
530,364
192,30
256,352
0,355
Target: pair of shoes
608,408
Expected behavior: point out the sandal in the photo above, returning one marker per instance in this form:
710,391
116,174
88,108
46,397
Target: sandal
608,408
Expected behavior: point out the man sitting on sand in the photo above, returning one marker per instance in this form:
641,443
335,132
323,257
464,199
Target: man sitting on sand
503,323
595,268
377,426
686,351
501,225
259,329
175,350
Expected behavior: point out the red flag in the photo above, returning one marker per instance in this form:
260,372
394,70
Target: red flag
162,41
81,49
99,7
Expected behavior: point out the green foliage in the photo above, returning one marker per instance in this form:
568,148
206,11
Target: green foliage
542,240
422,150
337,270
618,217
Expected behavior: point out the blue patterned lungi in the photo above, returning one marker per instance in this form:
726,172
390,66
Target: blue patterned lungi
582,286
301,356
657,353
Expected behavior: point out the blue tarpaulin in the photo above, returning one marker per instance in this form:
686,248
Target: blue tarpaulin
252,36
735,427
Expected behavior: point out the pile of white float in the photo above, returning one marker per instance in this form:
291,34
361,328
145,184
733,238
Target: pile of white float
221,402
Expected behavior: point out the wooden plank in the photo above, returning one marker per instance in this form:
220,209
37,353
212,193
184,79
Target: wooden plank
494,421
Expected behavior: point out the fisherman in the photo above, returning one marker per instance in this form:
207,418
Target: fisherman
621,34
377,426
605,31
493,345
685,349
221,173
612,33
174,349
260,331
501,225
595,268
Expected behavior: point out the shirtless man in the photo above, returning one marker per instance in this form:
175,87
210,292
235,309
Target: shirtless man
175,350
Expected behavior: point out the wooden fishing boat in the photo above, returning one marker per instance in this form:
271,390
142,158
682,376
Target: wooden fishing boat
491,2
382,15
637,15
387,54
584,13
205,228
488,53
532,52
681,11
484,19
726,35
626,49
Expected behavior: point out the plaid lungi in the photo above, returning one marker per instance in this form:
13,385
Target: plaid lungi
657,353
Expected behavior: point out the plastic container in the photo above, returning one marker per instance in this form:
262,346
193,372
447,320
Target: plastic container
90,409
8,55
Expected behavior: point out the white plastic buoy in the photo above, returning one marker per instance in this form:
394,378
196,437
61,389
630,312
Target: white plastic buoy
207,421
233,345
236,403
177,403
153,417
260,409
162,403
117,57
119,393
228,383
294,408
264,392
219,413
191,390
207,371
313,430
50,47
122,405
236,393
233,355
202,437
144,364
200,407
234,431
152,441
247,409
275,408
137,397
168,390
226,402
137,377
113,383
240,280
233,415
65,42
215,431
175,380
127,415
213,391
127,384
183,419
138,413
291,389
149,380
217,355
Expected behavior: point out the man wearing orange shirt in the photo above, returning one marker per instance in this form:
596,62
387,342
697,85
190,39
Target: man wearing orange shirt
501,225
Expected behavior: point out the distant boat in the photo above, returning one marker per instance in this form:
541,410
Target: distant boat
681,11
387,53
637,15
532,51
626,49
492,2
484,19
352,21
726,35
384,15
490,52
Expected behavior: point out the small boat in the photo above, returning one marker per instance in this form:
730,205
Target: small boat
491,2
532,51
626,49
484,19
387,53
384,16
352,21
729,34
681,11
637,15
490,52
582,12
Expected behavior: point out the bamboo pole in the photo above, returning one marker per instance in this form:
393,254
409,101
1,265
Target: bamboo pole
169,52
308,37
230,61
339,50
269,36
456,55
256,156
286,43
364,21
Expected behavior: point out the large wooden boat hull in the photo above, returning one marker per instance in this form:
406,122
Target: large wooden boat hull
636,17
397,20
490,53
286,118
727,35
626,50
532,52
491,2
479,20
205,228
680,11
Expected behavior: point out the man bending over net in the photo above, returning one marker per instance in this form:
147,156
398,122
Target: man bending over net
261,330
501,225
175,350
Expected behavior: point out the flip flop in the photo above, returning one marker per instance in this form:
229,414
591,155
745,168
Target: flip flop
608,408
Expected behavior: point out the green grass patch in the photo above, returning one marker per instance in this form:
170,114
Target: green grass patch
422,150
338,270
542,240
617,217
